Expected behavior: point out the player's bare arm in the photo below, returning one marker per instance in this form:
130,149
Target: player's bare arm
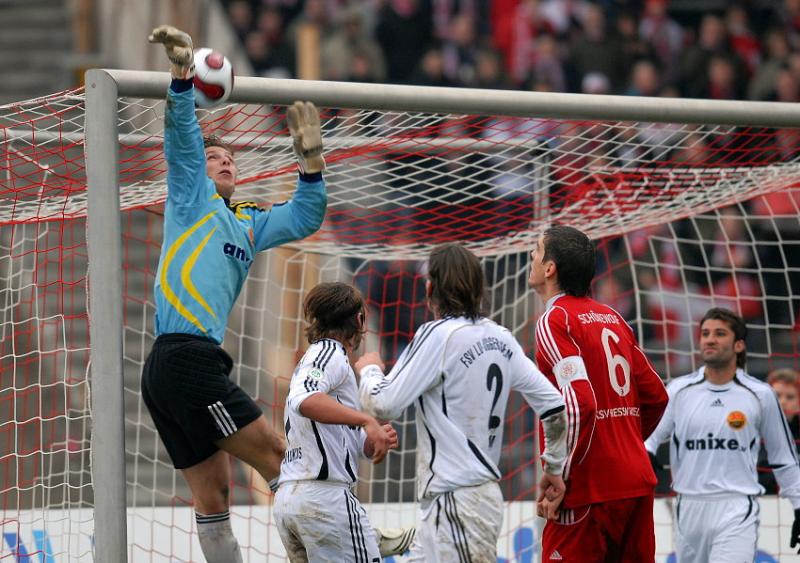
325,409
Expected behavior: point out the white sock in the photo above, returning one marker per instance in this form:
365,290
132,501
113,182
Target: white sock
217,539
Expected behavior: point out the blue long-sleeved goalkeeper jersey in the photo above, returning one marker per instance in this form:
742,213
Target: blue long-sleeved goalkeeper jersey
208,245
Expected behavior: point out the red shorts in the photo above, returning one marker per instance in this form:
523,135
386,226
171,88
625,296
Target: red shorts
617,530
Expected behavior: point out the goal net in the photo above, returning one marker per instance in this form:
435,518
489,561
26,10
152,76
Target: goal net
686,217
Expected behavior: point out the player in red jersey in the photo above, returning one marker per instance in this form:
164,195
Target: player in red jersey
614,401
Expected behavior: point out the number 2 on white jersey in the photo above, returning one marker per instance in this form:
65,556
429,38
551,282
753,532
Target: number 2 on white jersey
614,361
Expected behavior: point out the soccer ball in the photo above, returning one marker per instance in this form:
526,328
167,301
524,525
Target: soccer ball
213,78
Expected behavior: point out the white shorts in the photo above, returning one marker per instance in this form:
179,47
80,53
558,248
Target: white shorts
716,528
320,521
461,525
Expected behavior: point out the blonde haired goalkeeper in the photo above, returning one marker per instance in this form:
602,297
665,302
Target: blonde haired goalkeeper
209,245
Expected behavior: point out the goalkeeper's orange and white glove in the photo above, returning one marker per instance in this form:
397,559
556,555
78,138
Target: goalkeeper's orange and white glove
306,132
179,50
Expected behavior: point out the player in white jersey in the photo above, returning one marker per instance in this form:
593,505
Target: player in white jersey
318,516
458,371
715,422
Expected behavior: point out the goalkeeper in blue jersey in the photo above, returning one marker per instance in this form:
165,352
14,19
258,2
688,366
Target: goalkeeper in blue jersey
208,248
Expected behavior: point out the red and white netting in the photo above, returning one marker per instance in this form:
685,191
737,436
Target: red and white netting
687,216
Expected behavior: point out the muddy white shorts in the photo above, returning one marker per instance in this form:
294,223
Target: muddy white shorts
320,521
461,525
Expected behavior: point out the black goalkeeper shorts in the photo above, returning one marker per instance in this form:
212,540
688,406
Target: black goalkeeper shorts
188,391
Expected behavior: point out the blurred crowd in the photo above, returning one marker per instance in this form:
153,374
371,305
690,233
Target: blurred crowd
745,257
743,50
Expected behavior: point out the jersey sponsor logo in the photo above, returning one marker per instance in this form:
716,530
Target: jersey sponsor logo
736,420
717,403
617,412
479,347
232,250
592,317
711,442
293,454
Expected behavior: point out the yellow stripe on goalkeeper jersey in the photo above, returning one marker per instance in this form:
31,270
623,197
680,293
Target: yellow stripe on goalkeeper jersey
170,296
186,274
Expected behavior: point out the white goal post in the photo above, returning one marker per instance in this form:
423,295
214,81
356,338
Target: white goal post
105,87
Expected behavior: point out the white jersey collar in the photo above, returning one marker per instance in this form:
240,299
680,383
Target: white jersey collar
702,372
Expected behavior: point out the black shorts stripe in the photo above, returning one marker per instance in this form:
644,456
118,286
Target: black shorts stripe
749,507
456,528
352,520
323,470
359,531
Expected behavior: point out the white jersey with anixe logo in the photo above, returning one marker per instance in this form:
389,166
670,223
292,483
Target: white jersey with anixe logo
715,432
316,451
458,373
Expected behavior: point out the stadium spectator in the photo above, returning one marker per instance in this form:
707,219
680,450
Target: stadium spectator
549,66
614,401
431,70
596,49
240,14
459,370
201,415
644,79
404,32
722,82
314,17
348,42
664,34
786,383
762,85
716,418
520,43
634,48
460,52
280,62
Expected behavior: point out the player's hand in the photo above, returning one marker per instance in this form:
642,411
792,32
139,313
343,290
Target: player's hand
392,433
369,359
376,446
551,493
795,537
547,509
306,132
179,50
